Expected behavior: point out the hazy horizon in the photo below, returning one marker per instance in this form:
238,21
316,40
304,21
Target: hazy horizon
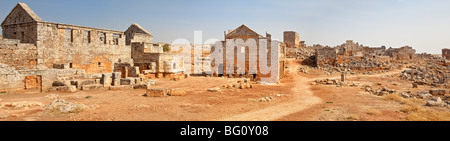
420,24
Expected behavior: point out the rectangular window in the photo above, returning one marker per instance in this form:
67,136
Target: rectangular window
87,36
15,35
116,38
102,37
69,35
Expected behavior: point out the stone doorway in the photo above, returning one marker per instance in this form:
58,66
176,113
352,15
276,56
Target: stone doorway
33,83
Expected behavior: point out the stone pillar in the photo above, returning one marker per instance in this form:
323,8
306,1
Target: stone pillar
106,80
116,78
134,71
343,77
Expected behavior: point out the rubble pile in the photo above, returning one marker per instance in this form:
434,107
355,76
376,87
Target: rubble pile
62,106
300,53
241,84
379,92
431,74
335,82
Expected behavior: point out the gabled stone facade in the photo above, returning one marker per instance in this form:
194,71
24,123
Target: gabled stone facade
231,64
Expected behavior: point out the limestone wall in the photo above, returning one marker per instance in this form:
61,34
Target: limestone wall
25,32
32,79
20,56
91,49
291,39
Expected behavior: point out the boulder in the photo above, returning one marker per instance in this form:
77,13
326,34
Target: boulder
437,92
214,90
436,101
62,106
415,85
177,92
121,87
125,81
156,92
63,89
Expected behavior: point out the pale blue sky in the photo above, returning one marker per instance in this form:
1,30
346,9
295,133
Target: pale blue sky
422,24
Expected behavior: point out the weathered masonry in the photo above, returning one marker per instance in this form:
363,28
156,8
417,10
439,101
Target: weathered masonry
69,46
45,56
291,39
230,57
446,53
358,56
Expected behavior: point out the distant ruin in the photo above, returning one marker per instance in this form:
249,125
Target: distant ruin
244,33
358,56
446,53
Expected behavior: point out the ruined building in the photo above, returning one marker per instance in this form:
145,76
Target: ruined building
231,57
359,56
291,39
446,53
37,54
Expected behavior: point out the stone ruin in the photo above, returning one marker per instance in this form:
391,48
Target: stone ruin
243,32
358,57
446,53
46,56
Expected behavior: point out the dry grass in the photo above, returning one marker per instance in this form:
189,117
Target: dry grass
415,110
429,115
374,112
411,108
393,97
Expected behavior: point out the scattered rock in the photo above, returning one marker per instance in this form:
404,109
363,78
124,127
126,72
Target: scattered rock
177,92
405,95
214,90
23,104
62,106
63,89
156,92
437,92
52,96
4,115
436,101
424,95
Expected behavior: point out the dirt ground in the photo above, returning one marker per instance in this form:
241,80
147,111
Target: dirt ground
294,99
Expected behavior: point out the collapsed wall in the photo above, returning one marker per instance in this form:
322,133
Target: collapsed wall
355,56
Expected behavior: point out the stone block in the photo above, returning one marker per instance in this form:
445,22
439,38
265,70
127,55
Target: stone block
151,82
142,86
437,92
106,80
91,87
125,81
156,92
121,87
63,89
177,92
86,82
116,78
134,71
414,85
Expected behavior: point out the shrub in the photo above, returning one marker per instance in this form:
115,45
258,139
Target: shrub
166,47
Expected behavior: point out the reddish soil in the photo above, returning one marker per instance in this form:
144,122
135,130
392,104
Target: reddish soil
297,100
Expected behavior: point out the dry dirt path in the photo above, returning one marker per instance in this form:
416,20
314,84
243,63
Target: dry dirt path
303,98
